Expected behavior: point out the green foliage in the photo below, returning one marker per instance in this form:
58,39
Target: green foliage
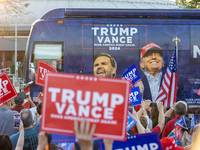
26,4
13,7
188,4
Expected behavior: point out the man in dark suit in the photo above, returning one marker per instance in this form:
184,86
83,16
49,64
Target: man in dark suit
151,64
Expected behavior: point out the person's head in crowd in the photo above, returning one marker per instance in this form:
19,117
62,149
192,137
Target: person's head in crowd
39,108
186,133
151,59
23,94
104,65
154,113
173,115
181,108
169,143
26,117
140,85
7,105
5,142
19,100
40,97
143,121
195,138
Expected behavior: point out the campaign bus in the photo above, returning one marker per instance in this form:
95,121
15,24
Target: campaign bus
68,39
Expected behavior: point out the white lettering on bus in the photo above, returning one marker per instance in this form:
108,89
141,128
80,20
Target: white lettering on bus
196,51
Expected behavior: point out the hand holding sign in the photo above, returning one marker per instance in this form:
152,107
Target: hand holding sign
101,101
146,104
84,134
135,96
131,121
132,74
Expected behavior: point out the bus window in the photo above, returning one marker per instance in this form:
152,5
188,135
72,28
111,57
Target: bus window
51,53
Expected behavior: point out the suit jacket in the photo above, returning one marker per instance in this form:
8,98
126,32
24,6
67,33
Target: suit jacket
147,92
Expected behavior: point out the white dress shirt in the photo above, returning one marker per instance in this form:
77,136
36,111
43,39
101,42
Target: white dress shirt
154,84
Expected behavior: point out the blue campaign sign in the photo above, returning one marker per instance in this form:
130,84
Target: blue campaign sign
66,146
148,141
193,122
135,97
181,122
131,121
61,138
132,74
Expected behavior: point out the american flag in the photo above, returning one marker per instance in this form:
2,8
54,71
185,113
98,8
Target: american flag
168,90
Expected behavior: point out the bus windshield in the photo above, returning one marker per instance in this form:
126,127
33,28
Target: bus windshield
51,53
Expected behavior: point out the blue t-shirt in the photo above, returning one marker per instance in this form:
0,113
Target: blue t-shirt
30,139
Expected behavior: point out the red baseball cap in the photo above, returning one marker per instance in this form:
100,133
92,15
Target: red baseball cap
151,46
41,95
169,143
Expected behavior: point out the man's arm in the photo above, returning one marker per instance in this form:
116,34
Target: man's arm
20,142
42,141
138,124
108,144
169,112
30,100
161,117
144,107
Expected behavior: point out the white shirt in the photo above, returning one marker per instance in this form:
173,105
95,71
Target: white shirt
154,84
33,110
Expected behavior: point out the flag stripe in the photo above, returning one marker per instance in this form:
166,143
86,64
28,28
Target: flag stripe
172,97
166,78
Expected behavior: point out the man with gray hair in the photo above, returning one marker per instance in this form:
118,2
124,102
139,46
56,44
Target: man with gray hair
30,134
151,64
180,110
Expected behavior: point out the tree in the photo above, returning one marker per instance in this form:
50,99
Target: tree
11,7
189,4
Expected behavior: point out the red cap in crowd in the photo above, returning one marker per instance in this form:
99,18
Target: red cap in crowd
40,96
170,144
151,46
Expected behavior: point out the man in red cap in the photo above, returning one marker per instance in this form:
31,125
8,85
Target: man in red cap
151,63
170,144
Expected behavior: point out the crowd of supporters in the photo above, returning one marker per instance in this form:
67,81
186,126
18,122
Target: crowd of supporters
151,117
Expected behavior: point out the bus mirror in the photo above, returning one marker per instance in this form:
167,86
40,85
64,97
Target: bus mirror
32,71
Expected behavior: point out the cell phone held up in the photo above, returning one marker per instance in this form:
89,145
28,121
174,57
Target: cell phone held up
16,120
27,96
153,105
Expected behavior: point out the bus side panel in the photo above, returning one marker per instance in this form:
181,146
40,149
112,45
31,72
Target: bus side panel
159,32
79,46
123,38
44,31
